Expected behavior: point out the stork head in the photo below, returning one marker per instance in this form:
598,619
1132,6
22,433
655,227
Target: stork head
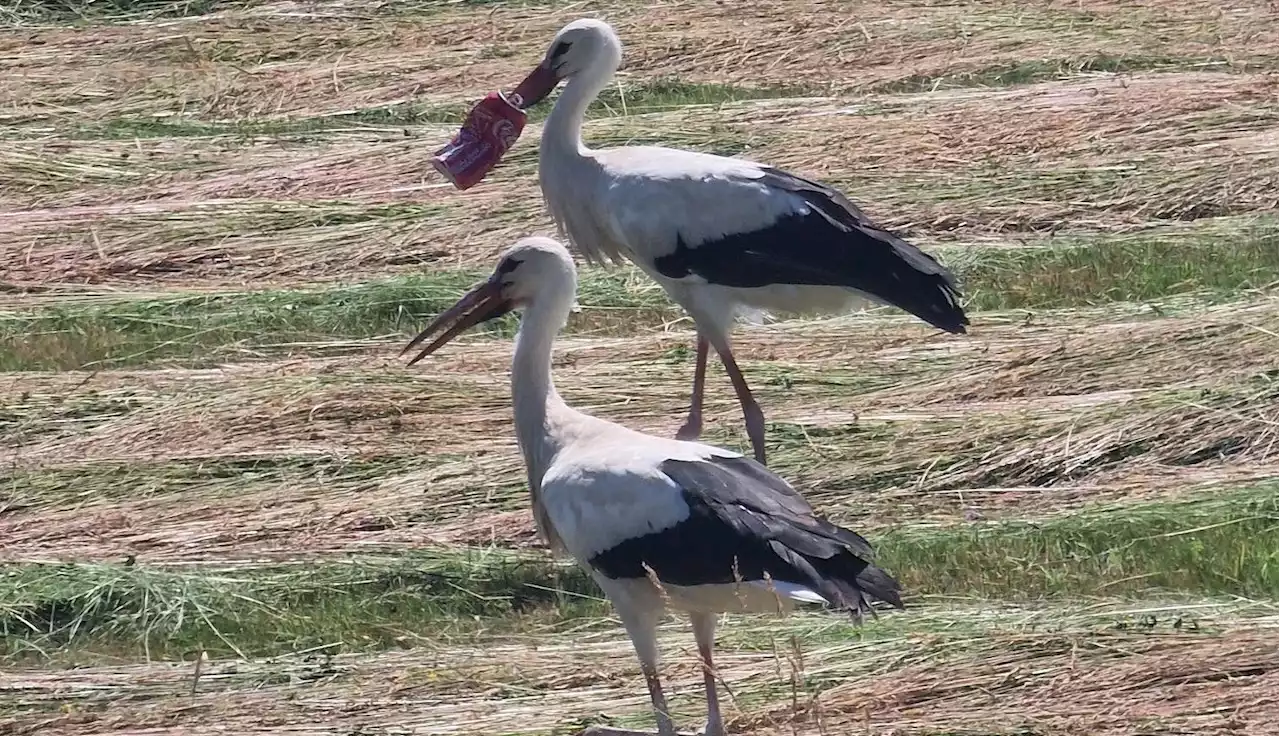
535,272
585,46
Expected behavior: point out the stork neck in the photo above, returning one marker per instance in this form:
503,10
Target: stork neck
562,132
541,416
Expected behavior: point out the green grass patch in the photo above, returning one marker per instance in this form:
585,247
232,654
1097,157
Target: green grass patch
205,478
1082,272
71,11
1224,544
207,328
813,651
25,416
203,329
1030,71
397,115
1220,545
365,604
668,93
131,11
659,95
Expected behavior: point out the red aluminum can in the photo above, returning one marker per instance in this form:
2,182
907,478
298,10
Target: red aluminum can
492,127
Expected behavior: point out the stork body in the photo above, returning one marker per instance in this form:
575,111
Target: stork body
724,237
657,522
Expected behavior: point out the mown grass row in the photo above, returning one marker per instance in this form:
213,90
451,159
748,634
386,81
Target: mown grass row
873,473
195,330
203,329
206,478
655,95
652,96
1219,545
1031,71
101,12
996,651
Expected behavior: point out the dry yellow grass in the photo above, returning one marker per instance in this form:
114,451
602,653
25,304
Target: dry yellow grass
1036,402
1187,685
347,404
995,672
1107,155
271,60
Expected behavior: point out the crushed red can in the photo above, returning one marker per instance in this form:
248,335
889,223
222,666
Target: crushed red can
491,128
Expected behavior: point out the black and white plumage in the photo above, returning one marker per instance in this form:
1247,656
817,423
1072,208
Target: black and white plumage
657,522
746,524
723,236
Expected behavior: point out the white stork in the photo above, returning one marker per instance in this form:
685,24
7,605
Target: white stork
723,236
655,521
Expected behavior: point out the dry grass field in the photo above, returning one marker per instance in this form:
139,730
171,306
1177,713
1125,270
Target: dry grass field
227,507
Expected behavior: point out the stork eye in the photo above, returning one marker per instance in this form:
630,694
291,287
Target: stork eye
560,49
508,265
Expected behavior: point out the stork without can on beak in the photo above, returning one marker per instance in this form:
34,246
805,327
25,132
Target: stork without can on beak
658,523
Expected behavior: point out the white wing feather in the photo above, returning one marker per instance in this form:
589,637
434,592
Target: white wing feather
656,194
612,489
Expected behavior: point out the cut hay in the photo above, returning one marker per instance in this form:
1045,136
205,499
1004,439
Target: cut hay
227,505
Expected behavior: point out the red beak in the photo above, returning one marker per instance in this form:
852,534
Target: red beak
535,87
481,304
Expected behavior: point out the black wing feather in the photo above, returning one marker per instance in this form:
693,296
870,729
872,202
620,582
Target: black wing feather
833,245
746,523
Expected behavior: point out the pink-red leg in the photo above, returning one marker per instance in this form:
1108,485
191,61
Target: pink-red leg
692,428
750,409
704,632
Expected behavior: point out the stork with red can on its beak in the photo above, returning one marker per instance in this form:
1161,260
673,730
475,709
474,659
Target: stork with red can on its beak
723,236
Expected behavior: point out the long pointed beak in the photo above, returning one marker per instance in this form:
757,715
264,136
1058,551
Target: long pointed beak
481,304
535,87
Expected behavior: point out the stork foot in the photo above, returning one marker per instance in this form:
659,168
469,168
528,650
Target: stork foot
691,430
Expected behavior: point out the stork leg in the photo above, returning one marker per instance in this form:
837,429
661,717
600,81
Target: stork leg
665,726
750,409
644,637
647,650
692,428
643,631
704,631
